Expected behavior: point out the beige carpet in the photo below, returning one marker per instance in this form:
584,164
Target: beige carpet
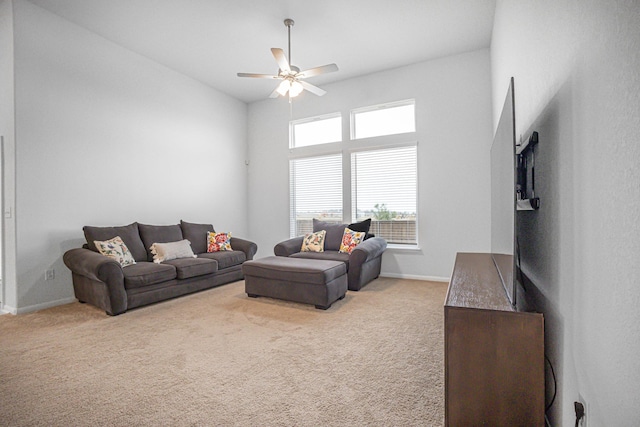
220,358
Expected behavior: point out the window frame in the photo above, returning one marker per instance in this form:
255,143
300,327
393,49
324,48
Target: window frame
294,123
377,107
293,202
348,146
377,147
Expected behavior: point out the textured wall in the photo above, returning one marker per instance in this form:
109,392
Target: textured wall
577,83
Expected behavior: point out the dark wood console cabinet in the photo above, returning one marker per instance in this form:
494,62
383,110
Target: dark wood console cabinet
494,354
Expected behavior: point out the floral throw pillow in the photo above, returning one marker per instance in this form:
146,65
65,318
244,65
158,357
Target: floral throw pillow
116,249
218,242
313,242
351,239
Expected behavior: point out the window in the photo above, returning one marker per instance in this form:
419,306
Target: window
385,119
383,188
348,181
316,130
315,191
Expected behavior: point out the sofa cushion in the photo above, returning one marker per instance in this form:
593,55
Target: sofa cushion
333,239
196,234
147,273
192,267
335,231
326,255
171,250
151,234
128,233
226,259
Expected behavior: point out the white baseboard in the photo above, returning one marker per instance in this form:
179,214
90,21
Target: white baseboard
416,277
36,307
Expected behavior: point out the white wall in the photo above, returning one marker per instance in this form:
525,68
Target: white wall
7,131
453,109
577,82
107,137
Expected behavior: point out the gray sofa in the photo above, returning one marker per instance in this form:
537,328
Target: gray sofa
103,282
363,263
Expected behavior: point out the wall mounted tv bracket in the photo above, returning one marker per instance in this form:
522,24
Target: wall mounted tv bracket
526,199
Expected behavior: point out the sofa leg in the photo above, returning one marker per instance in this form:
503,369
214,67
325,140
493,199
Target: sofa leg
342,297
252,295
323,307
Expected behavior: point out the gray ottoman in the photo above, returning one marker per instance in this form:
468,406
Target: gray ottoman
308,281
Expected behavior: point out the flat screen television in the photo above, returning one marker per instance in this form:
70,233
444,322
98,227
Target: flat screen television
503,197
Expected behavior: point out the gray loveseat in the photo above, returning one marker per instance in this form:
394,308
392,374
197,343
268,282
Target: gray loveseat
363,263
103,282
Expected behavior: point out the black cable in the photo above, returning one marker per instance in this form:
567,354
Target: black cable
555,384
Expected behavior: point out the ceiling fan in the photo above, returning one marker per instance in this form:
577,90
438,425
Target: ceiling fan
291,76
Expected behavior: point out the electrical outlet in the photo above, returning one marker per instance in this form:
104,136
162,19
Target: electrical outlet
583,421
50,274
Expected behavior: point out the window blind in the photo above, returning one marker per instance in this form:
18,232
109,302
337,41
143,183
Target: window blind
384,188
315,191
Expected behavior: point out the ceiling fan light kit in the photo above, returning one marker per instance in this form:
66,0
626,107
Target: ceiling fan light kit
291,76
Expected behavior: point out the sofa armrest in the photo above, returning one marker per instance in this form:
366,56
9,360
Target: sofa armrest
97,279
92,265
288,247
368,250
365,262
249,248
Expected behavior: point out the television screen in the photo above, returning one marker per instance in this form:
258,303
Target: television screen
503,196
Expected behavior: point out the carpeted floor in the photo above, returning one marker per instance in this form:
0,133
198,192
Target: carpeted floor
219,358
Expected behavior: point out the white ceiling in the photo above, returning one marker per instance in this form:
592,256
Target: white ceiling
212,40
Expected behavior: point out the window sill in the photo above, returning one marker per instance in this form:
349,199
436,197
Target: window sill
403,248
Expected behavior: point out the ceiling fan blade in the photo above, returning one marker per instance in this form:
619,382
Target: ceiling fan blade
259,76
311,88
281,59
275,93
329,68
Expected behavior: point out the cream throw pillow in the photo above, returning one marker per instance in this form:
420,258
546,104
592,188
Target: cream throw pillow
115,249
313,242
172,250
